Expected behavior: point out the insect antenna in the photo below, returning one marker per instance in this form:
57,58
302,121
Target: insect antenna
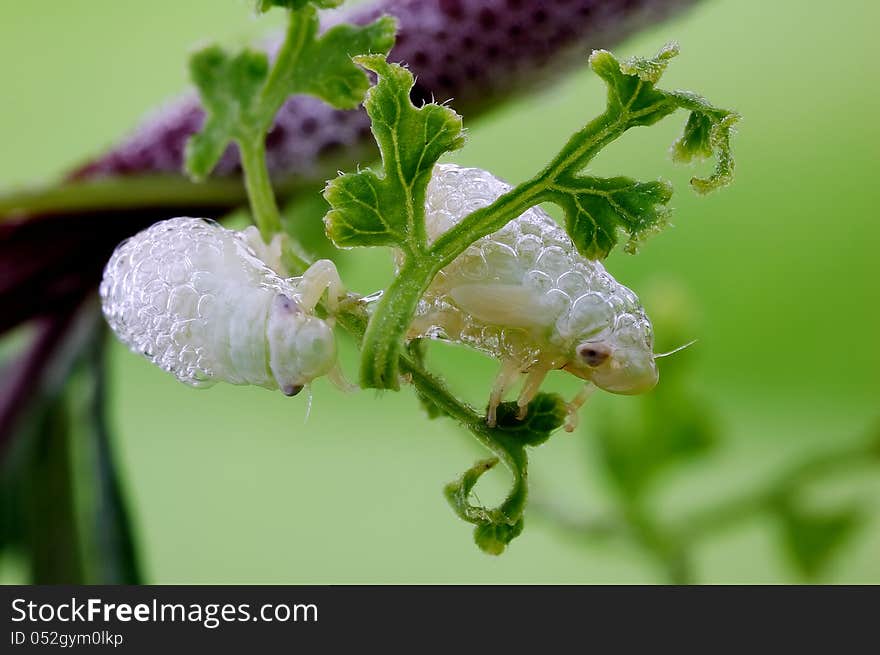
675,350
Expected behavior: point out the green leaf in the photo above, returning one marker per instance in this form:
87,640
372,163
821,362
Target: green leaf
389,210
241,95
546,414
632,95
813,538
325,68
598,210
229,88
704,135
53,547
493,538
666,428
696,142
650,69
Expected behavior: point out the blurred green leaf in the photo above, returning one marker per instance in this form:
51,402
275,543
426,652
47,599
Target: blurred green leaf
667,427
52,538
325,66
812,538
62,501
670,424
108,545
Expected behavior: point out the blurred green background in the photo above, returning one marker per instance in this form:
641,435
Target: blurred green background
233,485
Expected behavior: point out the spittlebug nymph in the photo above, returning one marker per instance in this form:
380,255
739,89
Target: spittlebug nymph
526,296
198,301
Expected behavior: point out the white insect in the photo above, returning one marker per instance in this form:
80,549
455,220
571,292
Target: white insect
526,296
198,301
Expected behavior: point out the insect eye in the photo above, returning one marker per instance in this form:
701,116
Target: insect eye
593,355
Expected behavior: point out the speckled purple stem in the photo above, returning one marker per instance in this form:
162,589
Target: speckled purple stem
474,53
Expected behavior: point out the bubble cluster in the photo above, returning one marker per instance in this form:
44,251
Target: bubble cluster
570,298
183,294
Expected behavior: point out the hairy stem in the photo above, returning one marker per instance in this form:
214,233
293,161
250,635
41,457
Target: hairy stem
353,319
276,90
500,444
259,187
379,365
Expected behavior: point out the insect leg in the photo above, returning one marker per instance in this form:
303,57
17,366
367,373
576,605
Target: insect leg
337,377
571,418
531,387
320,276
510,371
270,252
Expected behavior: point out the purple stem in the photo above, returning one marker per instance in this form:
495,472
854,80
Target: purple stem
474,53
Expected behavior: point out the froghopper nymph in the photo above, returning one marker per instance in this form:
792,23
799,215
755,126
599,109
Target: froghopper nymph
207,304
525,296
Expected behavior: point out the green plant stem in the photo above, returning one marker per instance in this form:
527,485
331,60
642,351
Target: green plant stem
354,321
277,90
489,219
259,187
502,445
397,306
252,145
732,511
